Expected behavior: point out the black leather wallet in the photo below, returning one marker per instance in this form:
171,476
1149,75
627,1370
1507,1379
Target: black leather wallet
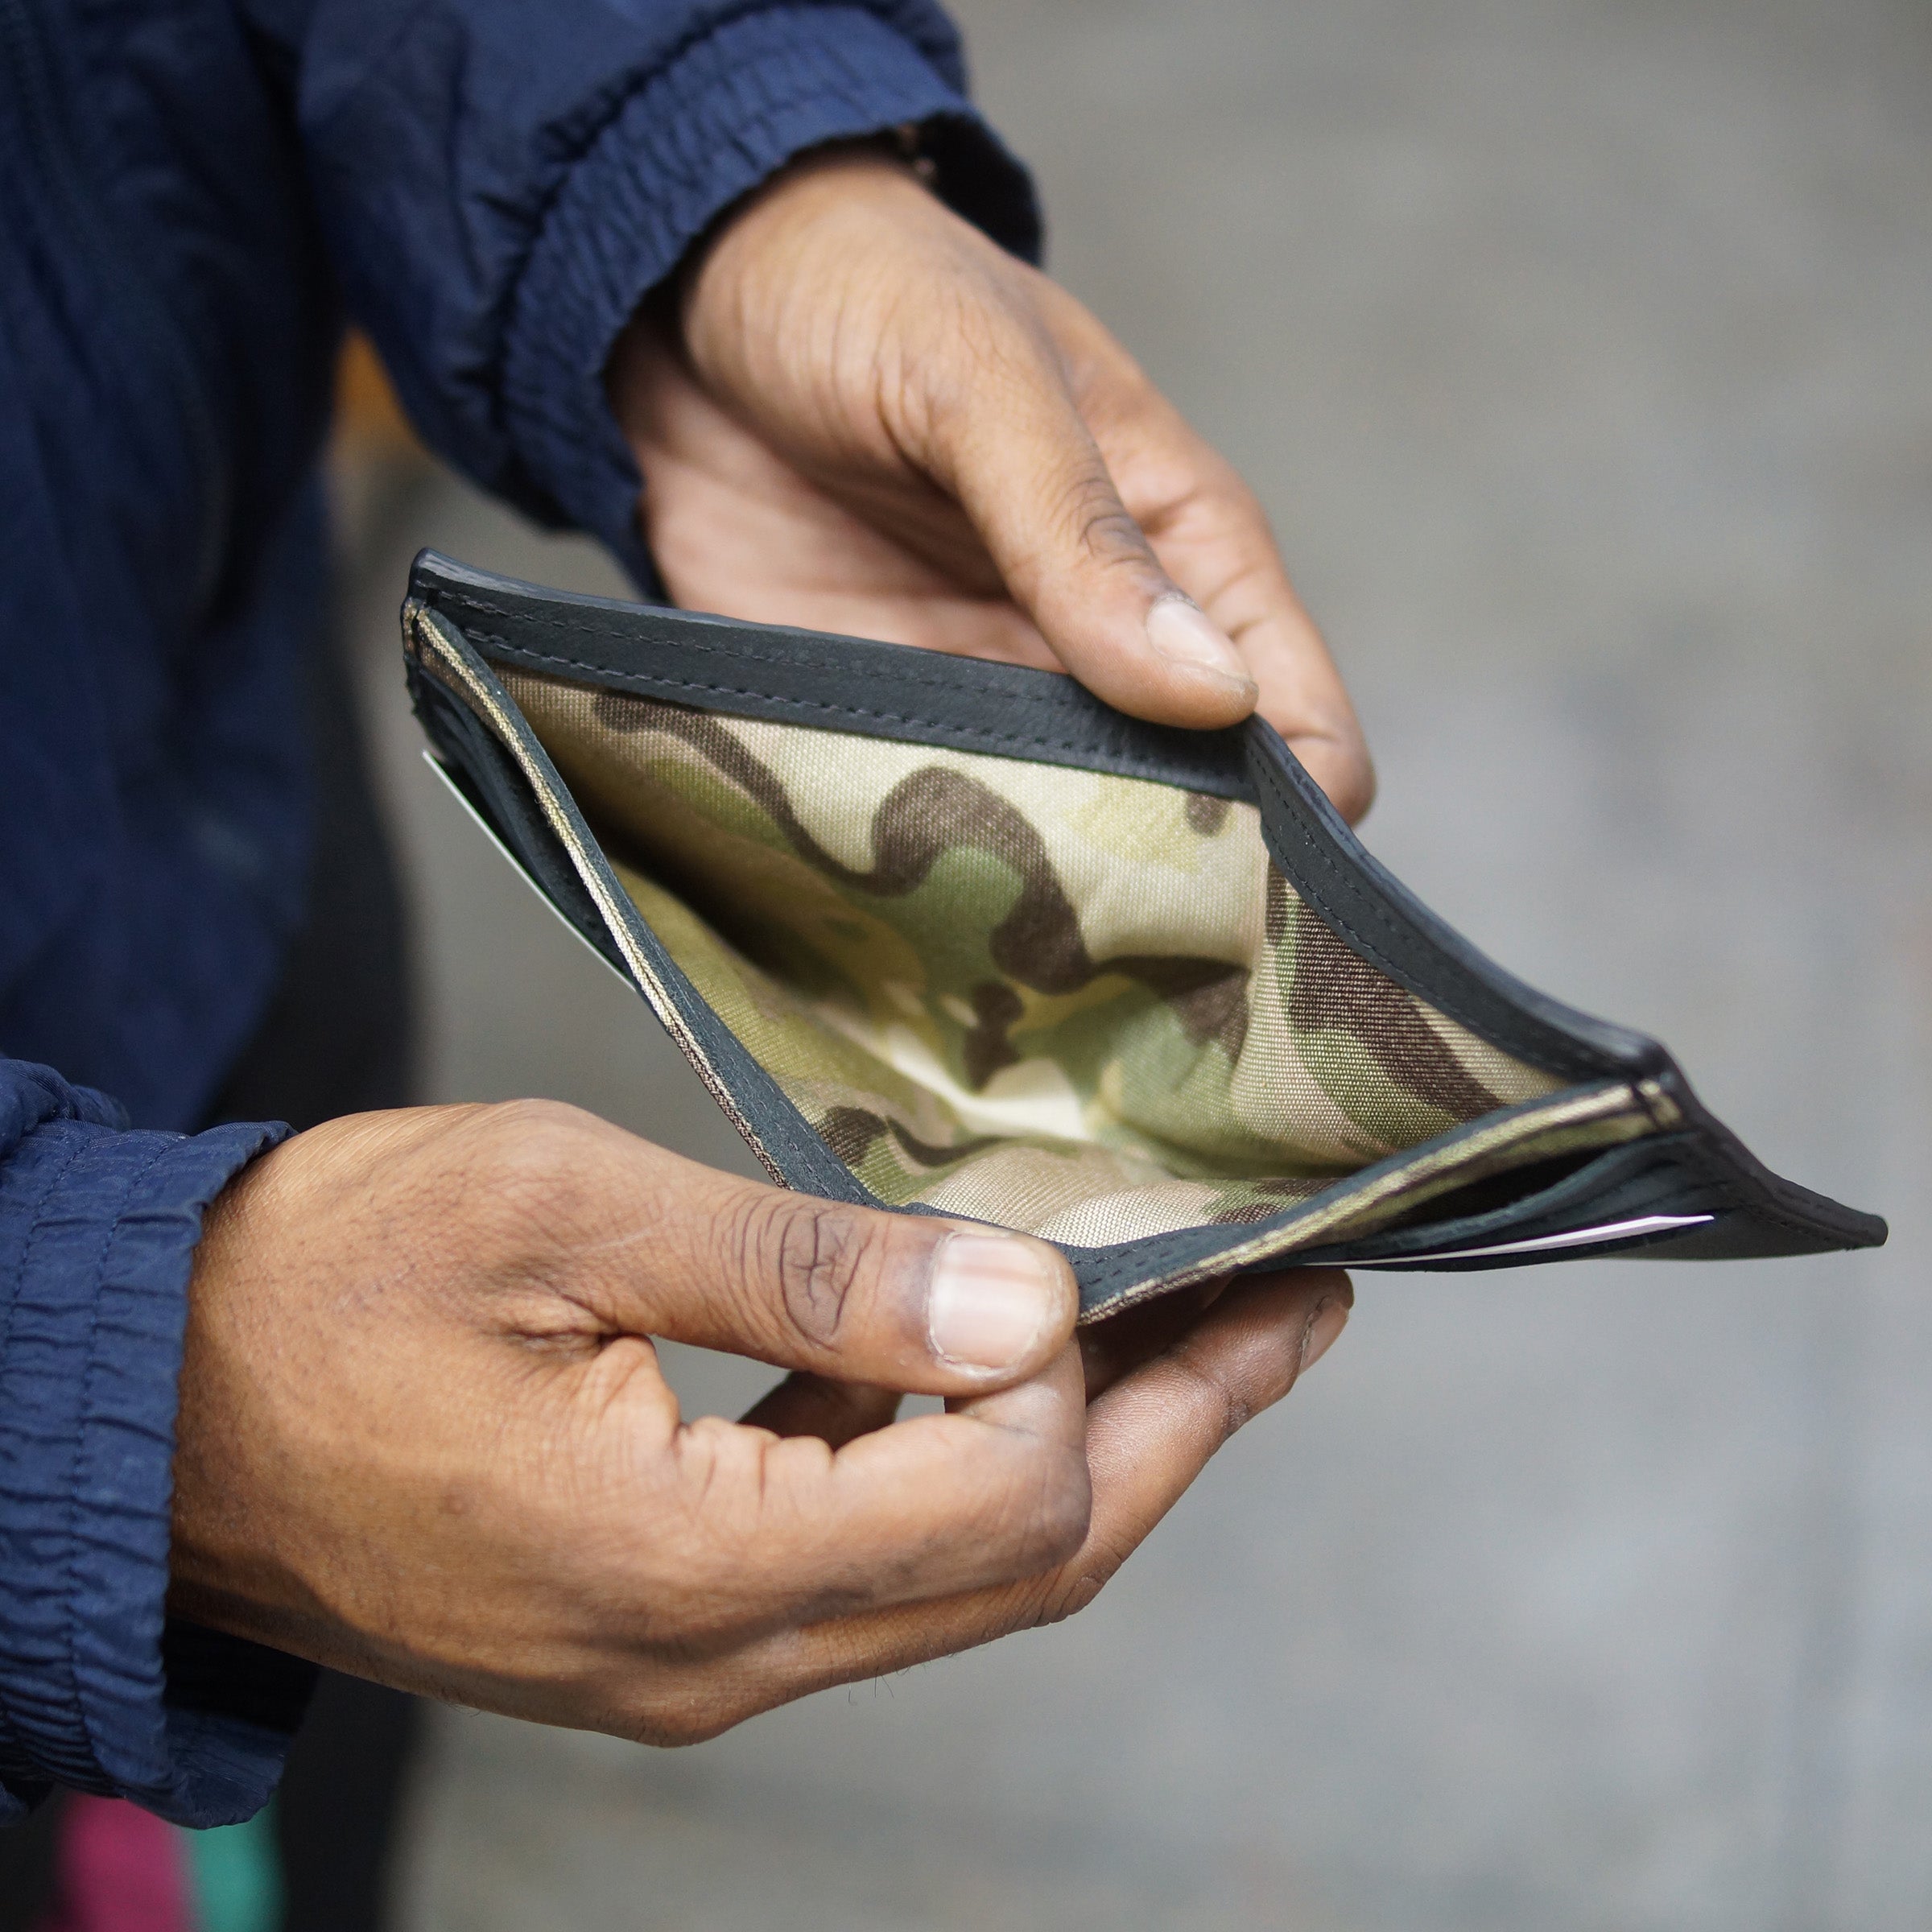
949,937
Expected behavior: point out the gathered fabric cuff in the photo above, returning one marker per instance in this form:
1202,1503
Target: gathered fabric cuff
727,113
97,1231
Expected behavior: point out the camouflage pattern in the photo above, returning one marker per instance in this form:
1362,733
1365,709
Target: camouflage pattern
1082,1005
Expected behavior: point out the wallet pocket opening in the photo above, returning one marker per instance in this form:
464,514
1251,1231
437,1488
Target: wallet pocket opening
964,975
1081,1004
1101,991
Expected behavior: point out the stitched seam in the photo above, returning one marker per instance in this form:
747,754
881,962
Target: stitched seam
1741,1194
1315,851
584,627
1142,768
897,674
845,710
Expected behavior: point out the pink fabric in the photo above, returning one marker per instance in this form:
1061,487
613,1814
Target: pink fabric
118,1869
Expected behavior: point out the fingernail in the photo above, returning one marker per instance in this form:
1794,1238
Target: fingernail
1183,634
989,1299
1327,1322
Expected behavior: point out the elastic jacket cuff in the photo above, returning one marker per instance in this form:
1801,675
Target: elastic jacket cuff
730,111
97,1232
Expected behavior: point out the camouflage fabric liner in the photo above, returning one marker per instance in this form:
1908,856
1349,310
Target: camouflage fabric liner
1069,1001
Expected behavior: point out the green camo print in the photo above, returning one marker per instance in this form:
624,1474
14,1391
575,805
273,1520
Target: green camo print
1085,1005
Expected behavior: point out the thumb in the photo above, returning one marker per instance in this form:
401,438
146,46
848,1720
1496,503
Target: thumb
1024,466
901,1302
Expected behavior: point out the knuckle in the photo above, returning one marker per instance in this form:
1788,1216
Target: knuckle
1097,522
955,338
1226,499
1235,1410
988,335
813,1254
1071,1589
534,1147
675,1723
1059,1515
536,1123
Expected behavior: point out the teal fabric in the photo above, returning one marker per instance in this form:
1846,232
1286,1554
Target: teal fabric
235,1875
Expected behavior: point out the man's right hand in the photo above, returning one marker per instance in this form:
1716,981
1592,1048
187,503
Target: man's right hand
424,1436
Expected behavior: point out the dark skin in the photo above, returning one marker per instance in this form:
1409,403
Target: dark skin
424,1435
862,416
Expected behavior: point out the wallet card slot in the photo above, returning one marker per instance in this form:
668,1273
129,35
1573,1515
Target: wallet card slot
1642,1181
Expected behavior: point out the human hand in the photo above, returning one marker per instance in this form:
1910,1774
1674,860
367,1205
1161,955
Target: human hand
423,1435
864,416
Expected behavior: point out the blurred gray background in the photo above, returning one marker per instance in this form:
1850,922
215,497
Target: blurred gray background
1580,353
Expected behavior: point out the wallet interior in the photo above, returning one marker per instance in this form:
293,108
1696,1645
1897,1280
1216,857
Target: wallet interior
951,938
1082,1005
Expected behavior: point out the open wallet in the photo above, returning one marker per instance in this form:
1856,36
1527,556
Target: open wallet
949,937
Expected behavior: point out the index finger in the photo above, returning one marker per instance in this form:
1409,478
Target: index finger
788,1530
1148,1437
1213,539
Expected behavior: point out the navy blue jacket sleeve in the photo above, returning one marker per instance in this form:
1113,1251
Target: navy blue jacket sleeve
97,1228
498,183
501,182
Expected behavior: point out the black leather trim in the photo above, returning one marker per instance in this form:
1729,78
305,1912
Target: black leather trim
807,677
1617,1185
1374,914
1809,1223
